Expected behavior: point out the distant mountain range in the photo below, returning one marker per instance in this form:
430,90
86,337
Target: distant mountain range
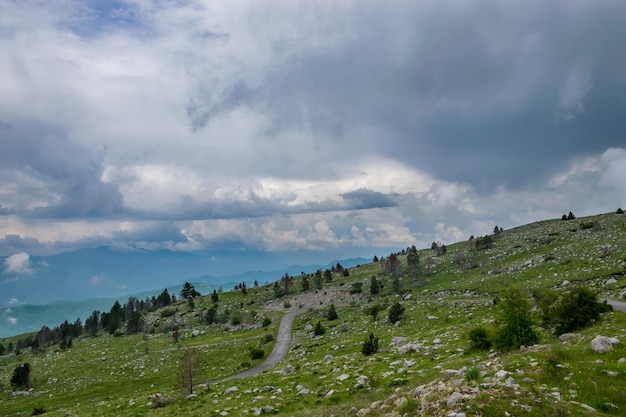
51,289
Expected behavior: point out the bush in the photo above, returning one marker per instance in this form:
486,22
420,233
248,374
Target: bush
235,320
332,313
256,353
370,345
516,321
396,313
577,310
472,374
319,329
266,322
21,376
374,286
479,339
267,338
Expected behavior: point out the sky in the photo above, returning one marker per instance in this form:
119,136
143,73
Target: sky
345,127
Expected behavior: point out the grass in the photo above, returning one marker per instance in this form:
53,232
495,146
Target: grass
109,375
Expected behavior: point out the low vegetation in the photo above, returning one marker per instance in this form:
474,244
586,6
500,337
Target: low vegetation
504,324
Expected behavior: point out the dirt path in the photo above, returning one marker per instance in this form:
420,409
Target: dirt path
617,305
283,340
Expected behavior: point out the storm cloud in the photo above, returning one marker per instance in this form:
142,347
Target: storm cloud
304,126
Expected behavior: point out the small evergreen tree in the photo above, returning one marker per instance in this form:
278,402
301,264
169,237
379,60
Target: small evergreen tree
370,345
21,376
214,297
374,286
319,329
332,313
619,211
571,216
188,291
396,313
211,315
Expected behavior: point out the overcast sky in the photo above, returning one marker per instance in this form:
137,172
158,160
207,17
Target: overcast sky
342,126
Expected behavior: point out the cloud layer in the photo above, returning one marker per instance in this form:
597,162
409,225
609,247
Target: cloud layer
275,125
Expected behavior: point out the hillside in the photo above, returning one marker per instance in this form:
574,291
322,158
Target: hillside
423,366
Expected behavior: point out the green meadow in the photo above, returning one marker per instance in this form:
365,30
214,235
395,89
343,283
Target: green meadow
424,364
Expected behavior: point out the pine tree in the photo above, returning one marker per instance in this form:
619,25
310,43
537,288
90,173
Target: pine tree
332,313
374,286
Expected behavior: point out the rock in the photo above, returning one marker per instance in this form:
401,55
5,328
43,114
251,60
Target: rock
396,340
287,370
408,348
195,333
363,381
308,327
454,398
588,408
601,344
568,336
342,377
501,374
399,402
362,412
610,281
510,382
376,405
328,358
329,393
268,409
231,390
191,396
451,373
304,391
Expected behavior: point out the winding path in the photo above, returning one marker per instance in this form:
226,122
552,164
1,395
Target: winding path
281,347
617,305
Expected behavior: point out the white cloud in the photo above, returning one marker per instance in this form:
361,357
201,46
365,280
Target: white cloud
96,279
13,301
18,264
12,320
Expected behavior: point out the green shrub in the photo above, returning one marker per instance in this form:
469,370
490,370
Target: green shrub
319,329
516,320
266,322
396,313
479,339
577,310
21,376
332,313
235,320
256,353
472,374
267,338
167,312
370,345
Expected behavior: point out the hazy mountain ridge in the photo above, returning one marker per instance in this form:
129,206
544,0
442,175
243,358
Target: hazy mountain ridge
31,316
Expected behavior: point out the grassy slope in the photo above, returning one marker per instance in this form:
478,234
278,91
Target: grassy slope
116,375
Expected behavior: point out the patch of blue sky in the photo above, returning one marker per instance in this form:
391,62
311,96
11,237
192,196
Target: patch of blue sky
93,18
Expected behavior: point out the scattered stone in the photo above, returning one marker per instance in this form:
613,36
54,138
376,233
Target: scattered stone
454,398
568,336
501,374
231,390
396,340
329,393
195,333
601,344
342,377
308,327
304,391
363,381
588,408
328,358
287,370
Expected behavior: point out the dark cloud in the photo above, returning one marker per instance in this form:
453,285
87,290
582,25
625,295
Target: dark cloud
63,173
366,199
478,93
